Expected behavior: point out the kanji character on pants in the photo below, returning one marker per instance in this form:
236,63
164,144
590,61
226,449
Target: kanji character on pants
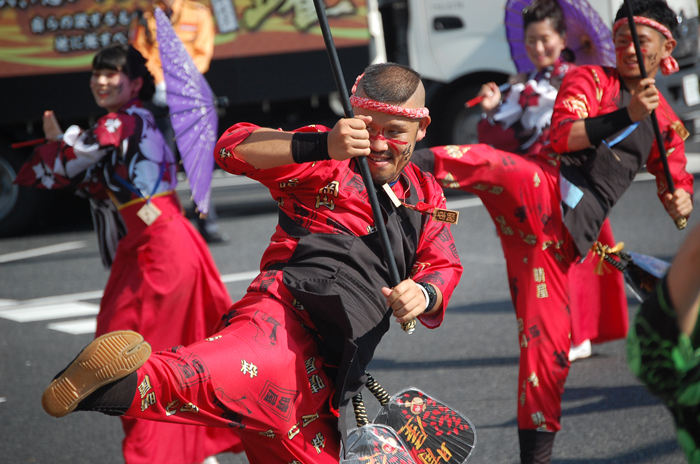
291,354
549,207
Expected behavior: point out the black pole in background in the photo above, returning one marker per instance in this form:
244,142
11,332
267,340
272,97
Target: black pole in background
682,222
409,327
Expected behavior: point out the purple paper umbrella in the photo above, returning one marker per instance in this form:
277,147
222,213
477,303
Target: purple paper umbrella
192,111
587,36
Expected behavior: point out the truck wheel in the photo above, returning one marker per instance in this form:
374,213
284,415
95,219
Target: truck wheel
453,123
18,205
464,126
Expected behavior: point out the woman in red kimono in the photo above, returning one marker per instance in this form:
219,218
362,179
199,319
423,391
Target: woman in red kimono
520,124
163,281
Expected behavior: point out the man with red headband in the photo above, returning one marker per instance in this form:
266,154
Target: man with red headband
292,352
549,208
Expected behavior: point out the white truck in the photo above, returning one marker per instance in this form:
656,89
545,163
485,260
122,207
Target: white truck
270,62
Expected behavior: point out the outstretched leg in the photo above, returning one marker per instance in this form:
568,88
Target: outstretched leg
522,197
102,363
260,376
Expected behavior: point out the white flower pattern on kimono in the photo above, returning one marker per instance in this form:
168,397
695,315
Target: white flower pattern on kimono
535,114
46,177
112,125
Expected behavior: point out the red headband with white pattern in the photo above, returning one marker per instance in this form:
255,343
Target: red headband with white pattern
374,105
669,65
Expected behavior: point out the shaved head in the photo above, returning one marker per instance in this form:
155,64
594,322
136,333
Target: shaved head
392,83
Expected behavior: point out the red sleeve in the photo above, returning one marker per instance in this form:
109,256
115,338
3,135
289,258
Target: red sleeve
271,178
437,261
38,171
675,153
579,98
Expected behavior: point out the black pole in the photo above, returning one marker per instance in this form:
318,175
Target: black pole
682,222
361,160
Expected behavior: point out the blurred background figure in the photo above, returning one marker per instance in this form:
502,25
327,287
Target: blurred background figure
663,343
194,25
163,280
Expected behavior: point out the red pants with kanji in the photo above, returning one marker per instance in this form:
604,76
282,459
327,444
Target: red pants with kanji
522,196
260,376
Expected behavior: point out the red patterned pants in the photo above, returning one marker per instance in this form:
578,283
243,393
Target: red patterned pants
260,376
522,196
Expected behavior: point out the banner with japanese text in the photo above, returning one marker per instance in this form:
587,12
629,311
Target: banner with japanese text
59,36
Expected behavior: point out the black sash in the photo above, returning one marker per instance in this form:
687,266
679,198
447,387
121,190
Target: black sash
603,174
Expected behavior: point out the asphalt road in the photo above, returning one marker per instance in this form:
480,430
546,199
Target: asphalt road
469,363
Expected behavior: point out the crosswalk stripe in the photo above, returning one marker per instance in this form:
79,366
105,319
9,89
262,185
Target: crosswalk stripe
239,276
69,305
75,327
42,251
49,300
47,312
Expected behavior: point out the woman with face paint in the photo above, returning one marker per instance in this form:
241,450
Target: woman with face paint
549,208
163,281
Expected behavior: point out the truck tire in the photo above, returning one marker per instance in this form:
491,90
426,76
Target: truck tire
18,205
453,124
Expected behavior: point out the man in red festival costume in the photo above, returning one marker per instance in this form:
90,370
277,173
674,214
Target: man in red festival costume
291,354
549,208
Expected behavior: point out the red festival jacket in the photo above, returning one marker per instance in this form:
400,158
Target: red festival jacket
591,91
329,197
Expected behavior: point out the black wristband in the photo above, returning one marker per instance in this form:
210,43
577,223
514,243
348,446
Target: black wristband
310,146
606,125
432,296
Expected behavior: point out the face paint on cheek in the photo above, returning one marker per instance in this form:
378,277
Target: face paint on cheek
653,58
120,87
407,153
391,142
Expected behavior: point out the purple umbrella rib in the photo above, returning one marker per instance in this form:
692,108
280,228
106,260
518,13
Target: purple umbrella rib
192,111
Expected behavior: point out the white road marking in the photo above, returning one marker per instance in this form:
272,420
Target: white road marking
250,275
69,305
42,251
219,179
48,312
465,203
71,297
76,327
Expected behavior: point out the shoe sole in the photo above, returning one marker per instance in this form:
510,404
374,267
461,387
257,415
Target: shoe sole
107,359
